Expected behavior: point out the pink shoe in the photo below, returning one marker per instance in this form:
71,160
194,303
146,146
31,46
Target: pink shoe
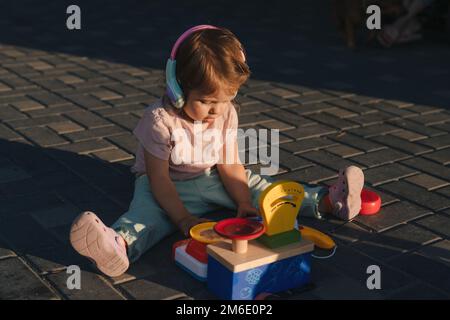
102,245
345,194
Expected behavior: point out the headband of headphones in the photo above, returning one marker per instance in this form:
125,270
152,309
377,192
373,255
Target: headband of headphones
173,88
174,91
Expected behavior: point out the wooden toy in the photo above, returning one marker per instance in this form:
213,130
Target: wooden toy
370,202
244,266
190,254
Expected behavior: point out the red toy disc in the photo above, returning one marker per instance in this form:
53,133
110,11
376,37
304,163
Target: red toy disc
240,228
370,202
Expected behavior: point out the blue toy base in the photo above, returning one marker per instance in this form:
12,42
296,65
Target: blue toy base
275,277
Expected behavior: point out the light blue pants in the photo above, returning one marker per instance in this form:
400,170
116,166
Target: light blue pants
145,223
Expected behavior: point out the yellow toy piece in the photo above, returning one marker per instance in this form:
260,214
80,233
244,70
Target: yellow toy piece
320,239
204,233
279,204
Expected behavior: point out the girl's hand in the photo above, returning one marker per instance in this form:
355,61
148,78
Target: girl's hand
246,209
187,223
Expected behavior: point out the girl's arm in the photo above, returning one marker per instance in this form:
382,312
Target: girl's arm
165,193
235,181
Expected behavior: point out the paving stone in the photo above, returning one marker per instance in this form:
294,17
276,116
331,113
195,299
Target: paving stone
26,105
392,215
313,98
311,108
374,130
422,109
328,160
147,290
96,133
8,113
424,268
309,132
307,145
390,108
439,251
52,111
438,223
438,142
5,252
127,142
34,122
113,155
416,127
9,173
356,142
43,136
352,106
401,144
88,119
124,90
20,283
379,157
441,156
56,259
418,292
309,175
444,191
418,195
426,181
277,125
92,287
354,265
271,99
56,216
86,147
8,134
340,113
23,234
344,151
127,121
88,102
252,107
48,99
371,118
407,135
106,95
283,93
349,232
65,127
332,121
393,242
431,119
429,167
289,117
387,173
252,119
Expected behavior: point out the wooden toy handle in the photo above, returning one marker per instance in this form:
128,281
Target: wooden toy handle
239,246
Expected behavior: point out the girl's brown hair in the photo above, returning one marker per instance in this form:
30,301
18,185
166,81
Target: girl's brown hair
211,59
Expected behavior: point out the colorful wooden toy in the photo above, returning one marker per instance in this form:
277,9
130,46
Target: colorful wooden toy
319,239
245,266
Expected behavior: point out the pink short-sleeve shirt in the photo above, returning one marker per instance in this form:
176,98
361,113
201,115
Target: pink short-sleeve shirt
191,148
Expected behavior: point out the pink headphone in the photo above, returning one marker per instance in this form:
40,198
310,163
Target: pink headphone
174,91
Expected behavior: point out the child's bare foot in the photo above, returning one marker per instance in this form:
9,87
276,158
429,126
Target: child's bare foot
102,245
345,194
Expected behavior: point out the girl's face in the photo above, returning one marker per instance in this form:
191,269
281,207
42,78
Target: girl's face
207,108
